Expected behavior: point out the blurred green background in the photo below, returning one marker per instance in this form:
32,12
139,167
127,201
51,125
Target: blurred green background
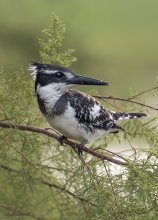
116,41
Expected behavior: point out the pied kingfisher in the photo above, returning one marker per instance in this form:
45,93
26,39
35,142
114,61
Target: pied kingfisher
76,115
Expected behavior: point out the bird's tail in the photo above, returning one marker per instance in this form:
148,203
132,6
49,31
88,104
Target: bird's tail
130,115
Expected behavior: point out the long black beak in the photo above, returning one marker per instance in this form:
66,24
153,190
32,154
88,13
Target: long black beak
82,80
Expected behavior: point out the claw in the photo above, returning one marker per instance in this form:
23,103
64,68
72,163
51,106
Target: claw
80,149
61,139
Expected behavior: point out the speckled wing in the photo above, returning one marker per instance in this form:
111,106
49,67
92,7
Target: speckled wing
90,112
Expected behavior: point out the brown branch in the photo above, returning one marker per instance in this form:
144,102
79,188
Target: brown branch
125,100
62,189
56,136
113,153
51,185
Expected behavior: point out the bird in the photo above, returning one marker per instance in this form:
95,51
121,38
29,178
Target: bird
76,115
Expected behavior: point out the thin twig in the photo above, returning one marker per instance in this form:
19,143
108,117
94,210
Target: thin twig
142,92
125,100
51,185
113,153
56,136
62,189
90,173
114,193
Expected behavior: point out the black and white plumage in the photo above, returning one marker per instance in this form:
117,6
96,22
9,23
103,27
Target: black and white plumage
75,114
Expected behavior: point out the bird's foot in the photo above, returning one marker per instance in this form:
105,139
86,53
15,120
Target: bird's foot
61,139
80,149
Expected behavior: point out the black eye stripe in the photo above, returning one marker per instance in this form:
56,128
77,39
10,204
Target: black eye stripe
58,74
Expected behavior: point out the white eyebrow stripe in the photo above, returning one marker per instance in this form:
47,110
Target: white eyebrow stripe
50,71
34,70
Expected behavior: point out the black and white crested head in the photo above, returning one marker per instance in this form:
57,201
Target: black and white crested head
47,74
50,70
60,78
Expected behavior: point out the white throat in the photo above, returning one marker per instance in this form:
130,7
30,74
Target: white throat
51,92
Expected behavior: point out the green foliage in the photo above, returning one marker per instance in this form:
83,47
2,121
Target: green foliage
29,160
52,42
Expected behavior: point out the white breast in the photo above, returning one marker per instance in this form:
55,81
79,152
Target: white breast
67,124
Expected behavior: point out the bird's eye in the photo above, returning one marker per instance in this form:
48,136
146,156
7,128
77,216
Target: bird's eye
58,74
